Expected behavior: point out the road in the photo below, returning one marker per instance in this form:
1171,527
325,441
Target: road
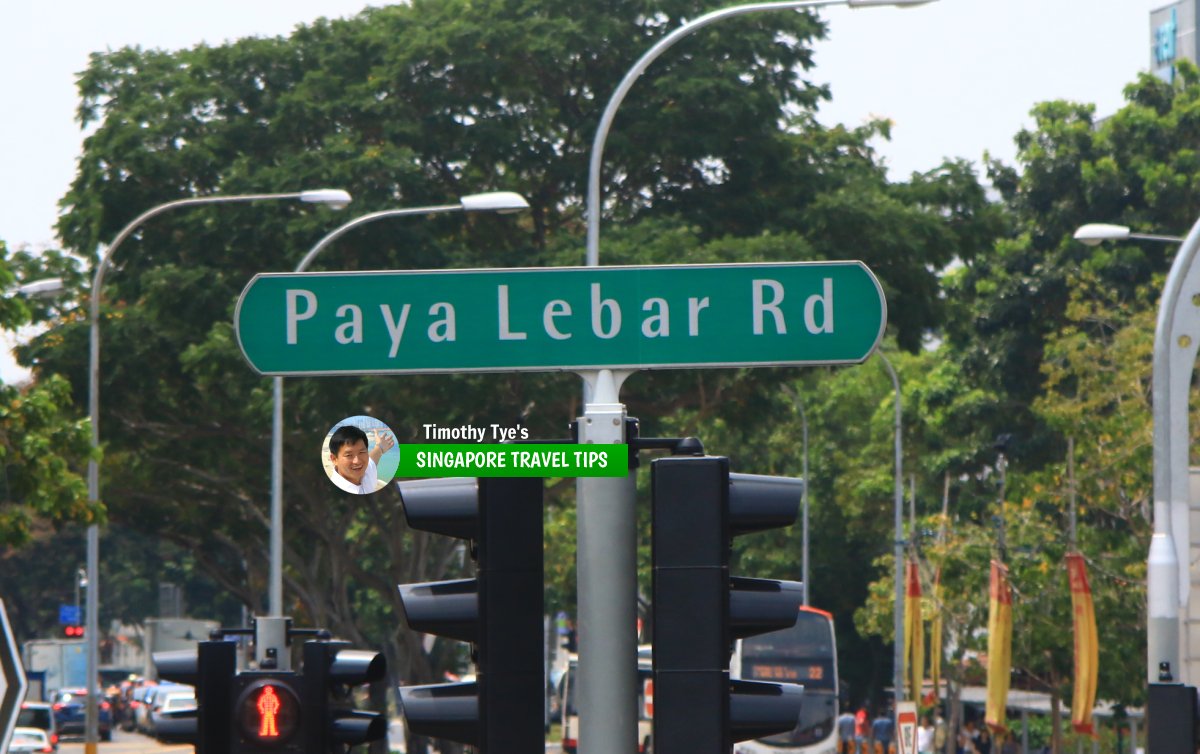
125,743
136,743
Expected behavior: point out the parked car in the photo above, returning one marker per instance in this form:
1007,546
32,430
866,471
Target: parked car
70,712
29,740
173,716
41,716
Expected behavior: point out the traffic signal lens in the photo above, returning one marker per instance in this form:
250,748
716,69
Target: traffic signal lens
268,712
73,632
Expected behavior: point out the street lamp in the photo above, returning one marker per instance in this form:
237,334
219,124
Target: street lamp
799,404
335,198
1173,361
606,537
501,202
898,544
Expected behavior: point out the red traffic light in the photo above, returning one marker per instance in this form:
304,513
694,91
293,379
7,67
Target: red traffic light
73,632
268,712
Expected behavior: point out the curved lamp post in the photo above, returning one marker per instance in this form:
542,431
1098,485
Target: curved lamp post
330,197
898,493
502,202
614,102
1176,339
799,404
606,536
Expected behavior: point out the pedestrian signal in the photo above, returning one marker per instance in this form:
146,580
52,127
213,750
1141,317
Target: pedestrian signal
268,712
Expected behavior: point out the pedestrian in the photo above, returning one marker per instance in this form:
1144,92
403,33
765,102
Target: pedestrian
862,729
882,729
924,736
983,743
845,731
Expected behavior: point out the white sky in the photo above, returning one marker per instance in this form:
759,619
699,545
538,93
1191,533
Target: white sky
957,77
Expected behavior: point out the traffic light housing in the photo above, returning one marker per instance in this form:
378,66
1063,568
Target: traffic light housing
331,670
72,631
499,612
211,668
698,507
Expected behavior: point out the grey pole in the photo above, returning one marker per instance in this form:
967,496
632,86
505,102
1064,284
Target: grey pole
606,560
799,404
497,201
333,197
898,483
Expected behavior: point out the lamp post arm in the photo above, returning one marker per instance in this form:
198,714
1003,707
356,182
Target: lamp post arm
342,230
1155,237
614,102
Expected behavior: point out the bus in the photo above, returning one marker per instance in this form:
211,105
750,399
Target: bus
805,654
570,712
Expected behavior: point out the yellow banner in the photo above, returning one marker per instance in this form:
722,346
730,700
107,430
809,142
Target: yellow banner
935,638
999,666
914,635
1087,645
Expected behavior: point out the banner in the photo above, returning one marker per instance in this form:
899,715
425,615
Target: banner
1087,645
914,636
999,666
935,638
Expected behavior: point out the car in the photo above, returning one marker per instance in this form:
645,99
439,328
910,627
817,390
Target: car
39,715
70,712
173,716
29,740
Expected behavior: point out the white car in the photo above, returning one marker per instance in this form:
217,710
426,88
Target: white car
28,740
173,716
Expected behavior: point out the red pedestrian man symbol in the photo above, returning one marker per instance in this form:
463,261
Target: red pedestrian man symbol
268,708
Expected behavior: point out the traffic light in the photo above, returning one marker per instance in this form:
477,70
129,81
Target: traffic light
331,670
499,612
210,668
700,610
73,632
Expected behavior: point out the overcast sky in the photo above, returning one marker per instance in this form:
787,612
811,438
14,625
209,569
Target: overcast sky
957,77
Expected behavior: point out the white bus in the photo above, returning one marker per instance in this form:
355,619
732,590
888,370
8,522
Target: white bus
570,712
805,654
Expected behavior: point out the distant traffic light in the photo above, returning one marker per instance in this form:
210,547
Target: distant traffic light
500,612
700,610
72,632
331,670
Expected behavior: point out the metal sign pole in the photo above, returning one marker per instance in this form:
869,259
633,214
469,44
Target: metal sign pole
606,563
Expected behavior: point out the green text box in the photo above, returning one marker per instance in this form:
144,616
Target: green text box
533,460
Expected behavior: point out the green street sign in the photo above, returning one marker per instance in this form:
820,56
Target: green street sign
560,318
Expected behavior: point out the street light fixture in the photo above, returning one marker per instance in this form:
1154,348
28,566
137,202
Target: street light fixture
41,288
500,202
1173,362
335,198
1093,234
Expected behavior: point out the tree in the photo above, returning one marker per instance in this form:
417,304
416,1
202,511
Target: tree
417,104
